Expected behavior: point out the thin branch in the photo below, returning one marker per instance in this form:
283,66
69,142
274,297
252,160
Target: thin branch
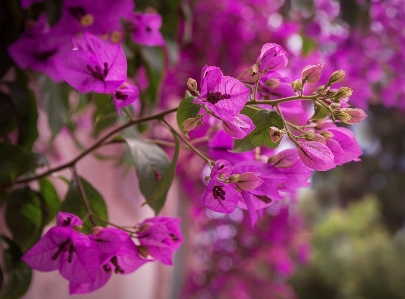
83,194
94,146
195,150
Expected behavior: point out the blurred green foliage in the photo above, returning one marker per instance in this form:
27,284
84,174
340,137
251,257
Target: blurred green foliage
353,255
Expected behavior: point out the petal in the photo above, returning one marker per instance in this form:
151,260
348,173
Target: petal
316,155
39,257
85,260
82,288
250,207
226,205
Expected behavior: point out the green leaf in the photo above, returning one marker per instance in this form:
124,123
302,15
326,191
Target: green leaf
54,100
249,111
187,109
154,71
74,204
242,145
18,273
263,120
50,201
157,200
320,112
24,217
105,114
152,166
16,161
7,115
26,114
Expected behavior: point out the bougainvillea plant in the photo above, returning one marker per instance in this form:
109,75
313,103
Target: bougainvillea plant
265,132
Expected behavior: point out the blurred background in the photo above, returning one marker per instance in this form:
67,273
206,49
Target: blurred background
343,238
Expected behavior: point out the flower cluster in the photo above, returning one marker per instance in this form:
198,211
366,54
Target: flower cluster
95,64
88,261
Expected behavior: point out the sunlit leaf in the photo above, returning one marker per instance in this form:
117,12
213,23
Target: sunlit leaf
263,120
187,109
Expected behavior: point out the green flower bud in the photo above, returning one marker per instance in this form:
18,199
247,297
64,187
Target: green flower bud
343,92
336,77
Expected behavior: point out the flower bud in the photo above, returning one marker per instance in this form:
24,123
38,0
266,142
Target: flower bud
96,230
326,134
356,115
335,106
312,73
310,135
342,116
343,92
249,181
322,88
319,138
276,134
273,83
143,251
336,77
297,85
192,85
233,178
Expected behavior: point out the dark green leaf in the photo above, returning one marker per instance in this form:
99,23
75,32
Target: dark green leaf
24,217
74,204
7,116
242,145
15,161
157,200
320,112
18,273
54,100
154,70
50,201
187,109
25,109
263,120
152,166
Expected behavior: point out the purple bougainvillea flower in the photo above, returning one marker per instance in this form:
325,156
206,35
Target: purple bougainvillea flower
102,71
345,140
247,199
145,29
272,57
225,96
117,254
124,96
220,197
63,248
37,48
289,163
266,192
221,167
161,236
88,42
220,147
100,18
316,155
68,220
239,126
